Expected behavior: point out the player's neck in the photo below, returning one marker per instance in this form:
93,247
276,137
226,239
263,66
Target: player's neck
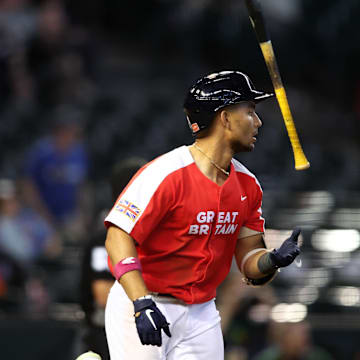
217,150
212,158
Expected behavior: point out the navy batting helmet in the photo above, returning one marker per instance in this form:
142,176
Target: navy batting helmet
215,91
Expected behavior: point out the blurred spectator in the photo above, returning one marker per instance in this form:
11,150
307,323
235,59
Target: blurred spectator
57,56
12,283
292,341
26,239
18,16
56,170
244,312
24,235
96,280
122,172
17,23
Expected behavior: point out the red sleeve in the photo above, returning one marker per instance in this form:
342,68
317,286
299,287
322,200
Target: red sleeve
255,221
141,207
157,209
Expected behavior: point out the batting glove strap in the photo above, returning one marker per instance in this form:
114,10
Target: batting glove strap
287,252
149,321
141,304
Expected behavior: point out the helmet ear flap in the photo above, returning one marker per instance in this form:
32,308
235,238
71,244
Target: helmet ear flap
198,121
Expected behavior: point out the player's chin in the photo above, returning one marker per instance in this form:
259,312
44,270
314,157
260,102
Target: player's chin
250,148
241,147
251,145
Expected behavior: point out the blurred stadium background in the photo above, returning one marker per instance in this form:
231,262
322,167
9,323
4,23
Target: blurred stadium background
121,69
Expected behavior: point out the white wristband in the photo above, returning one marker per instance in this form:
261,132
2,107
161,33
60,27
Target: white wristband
145,297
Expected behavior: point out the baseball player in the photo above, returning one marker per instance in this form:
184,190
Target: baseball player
174,230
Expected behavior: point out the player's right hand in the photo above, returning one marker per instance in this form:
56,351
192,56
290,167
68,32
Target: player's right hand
149,321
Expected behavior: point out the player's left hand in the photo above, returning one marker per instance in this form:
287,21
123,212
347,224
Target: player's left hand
287,252
149,322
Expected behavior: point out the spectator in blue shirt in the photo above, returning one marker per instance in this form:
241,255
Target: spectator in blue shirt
56,169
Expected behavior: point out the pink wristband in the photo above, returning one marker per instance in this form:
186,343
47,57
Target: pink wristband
126,265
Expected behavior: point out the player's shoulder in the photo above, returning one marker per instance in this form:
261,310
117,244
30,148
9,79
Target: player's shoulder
170,162
162,167
241,169
244,172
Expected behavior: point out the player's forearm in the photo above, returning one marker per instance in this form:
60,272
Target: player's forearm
253,267
119,246
267,262
134,285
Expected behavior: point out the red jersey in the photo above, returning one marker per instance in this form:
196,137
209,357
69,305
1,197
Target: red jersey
185,225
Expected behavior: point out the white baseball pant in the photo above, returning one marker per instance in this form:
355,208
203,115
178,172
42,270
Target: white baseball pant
195,329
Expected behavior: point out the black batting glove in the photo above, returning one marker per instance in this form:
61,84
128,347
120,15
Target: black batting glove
287,252
149,321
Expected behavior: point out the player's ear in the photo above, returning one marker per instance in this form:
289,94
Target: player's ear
224,118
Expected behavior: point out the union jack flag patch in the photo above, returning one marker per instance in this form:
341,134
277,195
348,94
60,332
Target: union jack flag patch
128,208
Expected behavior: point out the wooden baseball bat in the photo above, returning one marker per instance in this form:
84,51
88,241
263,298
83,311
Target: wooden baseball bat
258,23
